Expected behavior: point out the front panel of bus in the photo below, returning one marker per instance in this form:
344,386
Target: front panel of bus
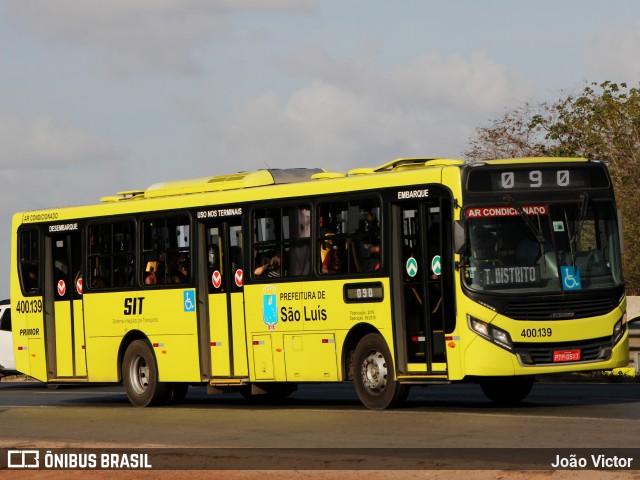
541,270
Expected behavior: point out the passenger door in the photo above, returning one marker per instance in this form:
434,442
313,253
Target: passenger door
220,287
423,297
64,316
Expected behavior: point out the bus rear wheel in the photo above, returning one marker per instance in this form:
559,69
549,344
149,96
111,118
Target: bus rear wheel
140,376
374,375
506,391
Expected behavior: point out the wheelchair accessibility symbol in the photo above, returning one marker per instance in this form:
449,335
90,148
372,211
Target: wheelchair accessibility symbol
571,278
189,301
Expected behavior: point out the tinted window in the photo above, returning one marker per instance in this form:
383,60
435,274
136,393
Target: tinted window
111,260
166,255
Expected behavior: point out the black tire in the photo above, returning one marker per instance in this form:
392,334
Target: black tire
140,376
507,391
374,374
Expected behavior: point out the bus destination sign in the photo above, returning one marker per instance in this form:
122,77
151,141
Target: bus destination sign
537,178
546,179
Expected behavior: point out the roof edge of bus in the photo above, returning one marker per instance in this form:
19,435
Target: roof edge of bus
234,181
327,175
504,161
409,163
124,195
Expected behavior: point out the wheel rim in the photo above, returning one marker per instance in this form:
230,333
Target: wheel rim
374,372
139,374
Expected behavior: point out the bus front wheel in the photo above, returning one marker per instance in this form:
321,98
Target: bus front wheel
140,376
506,391
374,375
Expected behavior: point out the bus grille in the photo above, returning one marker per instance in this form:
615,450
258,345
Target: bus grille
597,349
558,309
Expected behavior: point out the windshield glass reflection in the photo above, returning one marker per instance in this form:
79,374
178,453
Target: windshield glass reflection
561,247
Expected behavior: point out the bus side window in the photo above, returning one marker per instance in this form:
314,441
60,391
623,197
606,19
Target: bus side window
111,260
267,243
364,235
299,253
349,238
282,242
166,247
30,261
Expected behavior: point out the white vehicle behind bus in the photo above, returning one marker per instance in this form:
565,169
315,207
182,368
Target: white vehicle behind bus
7,362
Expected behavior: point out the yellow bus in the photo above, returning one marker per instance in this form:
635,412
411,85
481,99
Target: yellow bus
415,272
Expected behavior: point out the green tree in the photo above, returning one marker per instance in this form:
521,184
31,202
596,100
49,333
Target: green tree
601,122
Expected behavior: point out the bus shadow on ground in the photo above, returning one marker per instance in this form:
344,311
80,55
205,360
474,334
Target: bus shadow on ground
459,397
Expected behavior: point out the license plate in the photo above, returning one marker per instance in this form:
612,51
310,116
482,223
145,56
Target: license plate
566,355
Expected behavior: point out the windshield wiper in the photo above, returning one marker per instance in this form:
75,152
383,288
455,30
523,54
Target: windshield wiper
533,228
583,203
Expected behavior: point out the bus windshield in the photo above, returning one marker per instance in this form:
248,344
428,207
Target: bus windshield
542,247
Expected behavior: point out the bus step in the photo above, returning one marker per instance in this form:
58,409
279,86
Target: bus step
228,382
227,385
63,380
424,380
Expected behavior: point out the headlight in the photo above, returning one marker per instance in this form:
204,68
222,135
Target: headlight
618,330
489,332
479,327
501,337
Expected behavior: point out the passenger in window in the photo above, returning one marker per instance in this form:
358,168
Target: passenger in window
330,254
150,275
161,270
483,244
371,223
271,268
370,253
31,280
366,244
181,275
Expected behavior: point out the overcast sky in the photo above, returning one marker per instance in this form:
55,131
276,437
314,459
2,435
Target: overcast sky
108,95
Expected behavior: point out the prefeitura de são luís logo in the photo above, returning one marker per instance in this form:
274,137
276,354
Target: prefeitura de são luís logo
269,306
